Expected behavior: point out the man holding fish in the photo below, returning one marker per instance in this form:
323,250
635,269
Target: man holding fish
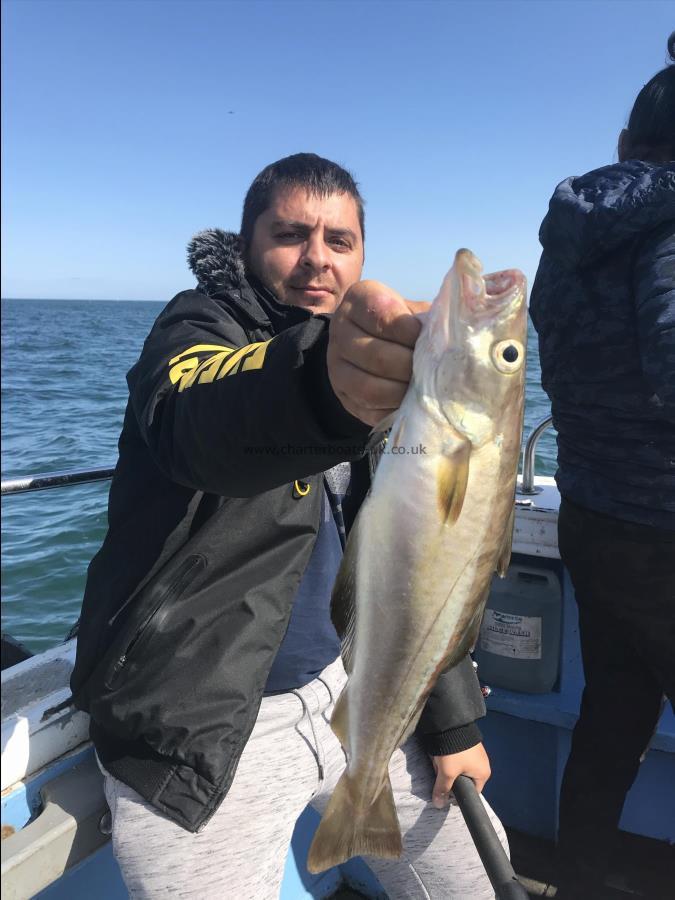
208,656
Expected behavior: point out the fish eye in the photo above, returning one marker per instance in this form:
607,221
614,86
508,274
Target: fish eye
508,356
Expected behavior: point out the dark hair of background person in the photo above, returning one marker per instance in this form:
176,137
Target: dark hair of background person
650,134
317,175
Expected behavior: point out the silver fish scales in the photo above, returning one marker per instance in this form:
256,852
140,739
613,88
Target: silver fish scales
436,525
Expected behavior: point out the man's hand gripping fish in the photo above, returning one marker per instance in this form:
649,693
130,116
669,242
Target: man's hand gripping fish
410,593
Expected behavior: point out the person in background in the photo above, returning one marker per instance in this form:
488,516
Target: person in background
206,655
603,304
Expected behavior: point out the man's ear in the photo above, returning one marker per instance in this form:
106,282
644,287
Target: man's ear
624,145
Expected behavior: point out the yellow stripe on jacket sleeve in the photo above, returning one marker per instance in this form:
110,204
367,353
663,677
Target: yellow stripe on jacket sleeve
249,351
183,369
256,359
199,348
229,361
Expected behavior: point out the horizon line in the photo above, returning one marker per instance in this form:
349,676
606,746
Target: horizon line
87,299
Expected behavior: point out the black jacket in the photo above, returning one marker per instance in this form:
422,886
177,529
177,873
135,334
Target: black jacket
230,418
603,303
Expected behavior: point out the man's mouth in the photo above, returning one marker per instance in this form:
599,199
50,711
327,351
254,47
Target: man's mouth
312,288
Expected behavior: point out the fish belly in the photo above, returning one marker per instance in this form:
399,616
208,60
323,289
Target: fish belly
417,581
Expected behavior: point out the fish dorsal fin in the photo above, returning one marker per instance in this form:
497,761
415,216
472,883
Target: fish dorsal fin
395,439
384,424
343,599
504,557
471,631
473,628
452,478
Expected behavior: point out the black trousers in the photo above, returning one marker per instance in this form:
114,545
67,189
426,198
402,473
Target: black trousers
624,578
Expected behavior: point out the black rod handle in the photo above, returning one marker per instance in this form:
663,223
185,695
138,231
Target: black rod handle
497,864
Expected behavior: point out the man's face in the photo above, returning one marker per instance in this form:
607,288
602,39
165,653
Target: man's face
308,249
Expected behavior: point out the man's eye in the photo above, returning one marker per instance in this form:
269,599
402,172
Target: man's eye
341,242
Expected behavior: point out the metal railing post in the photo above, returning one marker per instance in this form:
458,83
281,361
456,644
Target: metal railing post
527,485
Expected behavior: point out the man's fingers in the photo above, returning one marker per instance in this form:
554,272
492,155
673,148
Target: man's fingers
418,306
381,312
473,762
480,784
442,788
374,355
371,417
370,350
368,392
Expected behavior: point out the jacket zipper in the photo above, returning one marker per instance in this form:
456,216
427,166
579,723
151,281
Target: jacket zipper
175,588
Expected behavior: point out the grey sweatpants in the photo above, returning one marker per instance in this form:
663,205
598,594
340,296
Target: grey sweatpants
242,852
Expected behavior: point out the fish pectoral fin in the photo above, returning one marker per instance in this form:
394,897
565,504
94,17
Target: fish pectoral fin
504,557
452,478
343,600
346,830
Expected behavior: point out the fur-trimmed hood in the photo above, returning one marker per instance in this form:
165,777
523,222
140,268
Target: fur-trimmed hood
216,259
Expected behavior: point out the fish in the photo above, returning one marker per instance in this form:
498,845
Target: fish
437,524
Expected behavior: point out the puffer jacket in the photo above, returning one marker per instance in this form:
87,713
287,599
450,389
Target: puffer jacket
603,304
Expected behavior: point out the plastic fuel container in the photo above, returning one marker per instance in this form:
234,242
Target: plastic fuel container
518,646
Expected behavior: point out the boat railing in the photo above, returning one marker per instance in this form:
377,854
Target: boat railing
28,483
527,485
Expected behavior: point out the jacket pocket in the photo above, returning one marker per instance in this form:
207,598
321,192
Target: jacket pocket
182,577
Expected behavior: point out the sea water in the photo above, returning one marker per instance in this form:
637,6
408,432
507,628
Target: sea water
64,393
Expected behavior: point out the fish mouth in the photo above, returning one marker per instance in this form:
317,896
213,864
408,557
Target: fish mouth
498,294
500,285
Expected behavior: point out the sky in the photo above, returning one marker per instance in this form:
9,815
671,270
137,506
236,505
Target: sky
128,125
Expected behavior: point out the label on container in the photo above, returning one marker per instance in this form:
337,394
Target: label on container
518,637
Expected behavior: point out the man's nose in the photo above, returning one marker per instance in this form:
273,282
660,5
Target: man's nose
316,253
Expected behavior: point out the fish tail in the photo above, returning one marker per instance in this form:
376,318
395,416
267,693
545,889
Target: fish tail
346,831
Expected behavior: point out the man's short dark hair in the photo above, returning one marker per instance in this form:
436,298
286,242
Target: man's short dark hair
317,175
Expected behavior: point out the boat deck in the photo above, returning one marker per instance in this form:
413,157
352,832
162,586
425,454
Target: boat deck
643,868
